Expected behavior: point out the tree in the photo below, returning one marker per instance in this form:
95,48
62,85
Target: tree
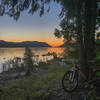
28,60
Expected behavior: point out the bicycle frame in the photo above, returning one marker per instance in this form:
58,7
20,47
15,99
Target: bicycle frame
88,79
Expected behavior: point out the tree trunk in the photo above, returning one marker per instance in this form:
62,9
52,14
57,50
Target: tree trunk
86,22
92,28
90,22
82,46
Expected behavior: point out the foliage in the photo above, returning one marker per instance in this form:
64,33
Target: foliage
13,8
94,92
68,29
98,58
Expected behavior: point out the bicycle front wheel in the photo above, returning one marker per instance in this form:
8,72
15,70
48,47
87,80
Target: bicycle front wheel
70,81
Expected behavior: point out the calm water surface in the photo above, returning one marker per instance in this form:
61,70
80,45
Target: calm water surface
9,53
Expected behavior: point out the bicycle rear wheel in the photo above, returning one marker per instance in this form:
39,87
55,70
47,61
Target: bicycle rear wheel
68,84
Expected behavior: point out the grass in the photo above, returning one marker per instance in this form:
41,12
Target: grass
39,87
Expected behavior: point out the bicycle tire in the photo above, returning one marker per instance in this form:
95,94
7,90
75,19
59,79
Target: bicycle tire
63,81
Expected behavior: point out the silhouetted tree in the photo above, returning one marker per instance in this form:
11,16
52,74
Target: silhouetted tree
80,22
28,60
67,30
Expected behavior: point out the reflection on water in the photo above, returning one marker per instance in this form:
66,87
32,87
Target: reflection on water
10,53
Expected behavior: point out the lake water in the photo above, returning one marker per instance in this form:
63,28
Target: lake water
9,53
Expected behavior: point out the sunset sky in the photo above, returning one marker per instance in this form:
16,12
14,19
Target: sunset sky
32,27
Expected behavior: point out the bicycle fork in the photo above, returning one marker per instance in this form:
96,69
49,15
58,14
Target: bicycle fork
72,75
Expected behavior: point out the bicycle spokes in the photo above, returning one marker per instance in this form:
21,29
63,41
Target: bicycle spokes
69,81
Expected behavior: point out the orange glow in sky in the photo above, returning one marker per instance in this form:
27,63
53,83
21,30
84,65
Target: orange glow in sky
55,43
50,39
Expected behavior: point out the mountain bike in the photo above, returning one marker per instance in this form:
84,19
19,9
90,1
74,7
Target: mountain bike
70,79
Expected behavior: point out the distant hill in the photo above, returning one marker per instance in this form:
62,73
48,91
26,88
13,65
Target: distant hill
23,44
